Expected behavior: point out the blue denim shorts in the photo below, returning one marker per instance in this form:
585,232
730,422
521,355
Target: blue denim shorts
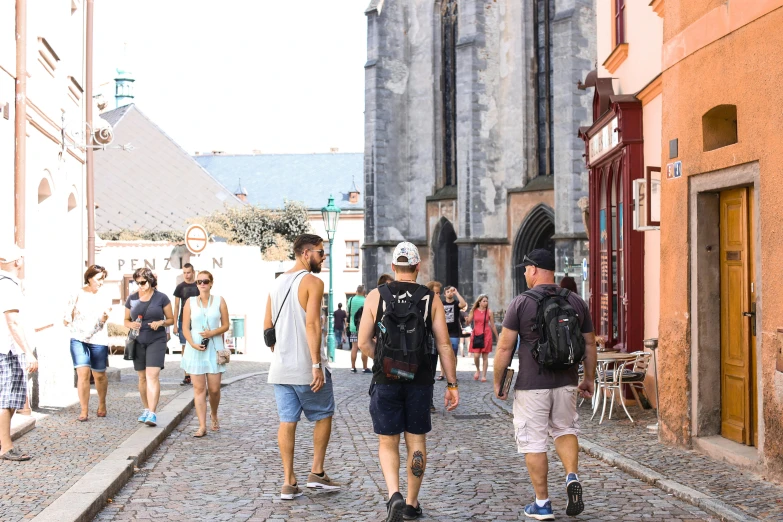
293,399
96,356
181,336
454,344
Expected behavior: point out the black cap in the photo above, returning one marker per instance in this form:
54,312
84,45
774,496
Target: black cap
540,258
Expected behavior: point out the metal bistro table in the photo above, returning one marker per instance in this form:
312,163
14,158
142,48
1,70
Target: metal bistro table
604,378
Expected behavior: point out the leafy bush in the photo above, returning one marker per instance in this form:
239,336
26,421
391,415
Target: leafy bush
172,236
117,330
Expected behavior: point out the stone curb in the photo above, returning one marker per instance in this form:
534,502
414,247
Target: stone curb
20,427
89,495
720,509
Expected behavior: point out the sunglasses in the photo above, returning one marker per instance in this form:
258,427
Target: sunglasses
528,260
203,281
319,252
141,283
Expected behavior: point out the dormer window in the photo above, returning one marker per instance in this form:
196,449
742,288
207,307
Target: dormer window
353,195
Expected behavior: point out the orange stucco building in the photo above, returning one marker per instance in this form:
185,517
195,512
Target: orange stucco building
721,252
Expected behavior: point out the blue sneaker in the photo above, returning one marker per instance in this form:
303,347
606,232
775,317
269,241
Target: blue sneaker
574,491
152,420
143,416
540,513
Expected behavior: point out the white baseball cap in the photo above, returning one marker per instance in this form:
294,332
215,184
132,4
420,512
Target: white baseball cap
9,252
409,252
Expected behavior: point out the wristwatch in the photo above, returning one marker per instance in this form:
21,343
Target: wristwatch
317,365
452,385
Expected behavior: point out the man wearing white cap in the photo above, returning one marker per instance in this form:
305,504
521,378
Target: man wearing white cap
404,315
14,349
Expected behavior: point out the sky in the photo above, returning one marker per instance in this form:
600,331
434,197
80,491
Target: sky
277,76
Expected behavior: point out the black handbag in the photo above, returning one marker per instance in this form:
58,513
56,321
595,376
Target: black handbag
130,342
478,339
270,338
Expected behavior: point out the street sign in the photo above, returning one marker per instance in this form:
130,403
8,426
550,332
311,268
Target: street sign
196,239
584,269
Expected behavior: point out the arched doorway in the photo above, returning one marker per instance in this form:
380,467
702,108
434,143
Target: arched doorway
536,232
444,247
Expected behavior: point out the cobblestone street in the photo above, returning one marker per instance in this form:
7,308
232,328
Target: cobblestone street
473,472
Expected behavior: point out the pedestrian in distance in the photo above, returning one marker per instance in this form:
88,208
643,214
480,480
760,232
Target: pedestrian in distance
569,283
401,317
339,317
555,334
16,355
184,291
354,306
453,304
148,312
483,323
300,369
205,320
384,279
86,316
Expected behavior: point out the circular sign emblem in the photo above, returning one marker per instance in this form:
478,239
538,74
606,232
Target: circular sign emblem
196,239
584,269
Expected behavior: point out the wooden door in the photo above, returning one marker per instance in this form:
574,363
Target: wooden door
736,339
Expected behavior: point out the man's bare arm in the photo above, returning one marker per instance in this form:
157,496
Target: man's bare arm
503,355
315,295
591,356
16,329
176,314
441,332
367,326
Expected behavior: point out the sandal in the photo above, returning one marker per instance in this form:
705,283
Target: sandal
16,455
483,379
476,376
215,424
82,418
200,433
441,378
100,413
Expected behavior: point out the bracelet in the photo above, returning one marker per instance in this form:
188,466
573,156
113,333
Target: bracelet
452,385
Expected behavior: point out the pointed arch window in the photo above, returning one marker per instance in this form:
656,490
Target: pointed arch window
449,34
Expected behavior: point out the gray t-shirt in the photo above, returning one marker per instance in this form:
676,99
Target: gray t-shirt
521,317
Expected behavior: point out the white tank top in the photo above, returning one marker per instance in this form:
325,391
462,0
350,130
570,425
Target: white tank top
291,360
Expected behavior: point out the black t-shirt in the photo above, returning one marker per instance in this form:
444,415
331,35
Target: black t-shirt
452,317
339,319
521,317
424,375
185,291
154,312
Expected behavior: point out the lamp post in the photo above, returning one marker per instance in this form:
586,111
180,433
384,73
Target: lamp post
331,213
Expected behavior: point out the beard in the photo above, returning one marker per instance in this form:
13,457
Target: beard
315,267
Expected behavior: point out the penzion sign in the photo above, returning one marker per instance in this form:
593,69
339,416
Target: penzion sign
604,140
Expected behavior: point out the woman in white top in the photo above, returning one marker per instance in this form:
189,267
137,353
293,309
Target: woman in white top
86,315
204,321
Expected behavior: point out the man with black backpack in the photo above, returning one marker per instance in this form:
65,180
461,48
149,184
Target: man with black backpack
402,316
556,335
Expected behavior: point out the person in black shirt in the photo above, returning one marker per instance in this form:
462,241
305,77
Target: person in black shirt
453,304
403,406
339,324
184,291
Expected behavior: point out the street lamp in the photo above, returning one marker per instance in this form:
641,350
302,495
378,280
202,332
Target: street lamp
331,213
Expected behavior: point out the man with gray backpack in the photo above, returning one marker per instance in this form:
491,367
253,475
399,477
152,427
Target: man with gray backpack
555,334
397,324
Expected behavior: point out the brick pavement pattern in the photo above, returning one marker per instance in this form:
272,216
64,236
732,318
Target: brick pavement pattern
65,449
473,469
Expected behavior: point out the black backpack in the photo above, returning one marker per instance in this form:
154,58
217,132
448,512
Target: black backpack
357,317
561,344
403,342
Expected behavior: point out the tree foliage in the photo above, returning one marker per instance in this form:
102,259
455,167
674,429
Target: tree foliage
173,236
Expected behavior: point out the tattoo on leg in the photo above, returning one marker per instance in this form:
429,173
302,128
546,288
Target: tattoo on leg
417,464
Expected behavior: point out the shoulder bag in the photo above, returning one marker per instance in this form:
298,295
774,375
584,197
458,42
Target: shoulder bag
270,338
478,338
130,343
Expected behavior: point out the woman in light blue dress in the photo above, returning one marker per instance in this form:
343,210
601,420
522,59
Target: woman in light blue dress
204,321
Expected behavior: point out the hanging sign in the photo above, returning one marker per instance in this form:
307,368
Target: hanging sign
196,239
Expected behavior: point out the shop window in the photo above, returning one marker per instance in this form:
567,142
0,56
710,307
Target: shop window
619,22
719,127
352,254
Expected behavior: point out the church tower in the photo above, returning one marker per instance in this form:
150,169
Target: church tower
123,83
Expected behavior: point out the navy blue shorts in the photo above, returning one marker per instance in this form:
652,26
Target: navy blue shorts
397,408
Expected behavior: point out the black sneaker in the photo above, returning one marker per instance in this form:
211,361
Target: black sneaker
394,508
574,491
186,381
411,513
353,370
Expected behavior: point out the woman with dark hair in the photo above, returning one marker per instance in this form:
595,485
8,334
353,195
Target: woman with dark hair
483,323
148,312
86,316
204,321
570,283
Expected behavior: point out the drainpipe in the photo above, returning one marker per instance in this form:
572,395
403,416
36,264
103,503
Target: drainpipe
20,123
89,142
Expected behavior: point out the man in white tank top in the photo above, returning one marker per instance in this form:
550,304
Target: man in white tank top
300,369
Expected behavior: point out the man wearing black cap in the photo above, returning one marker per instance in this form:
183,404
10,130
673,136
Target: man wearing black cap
545,398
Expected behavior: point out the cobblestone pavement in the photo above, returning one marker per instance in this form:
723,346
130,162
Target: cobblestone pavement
65,449
473,473
742,489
